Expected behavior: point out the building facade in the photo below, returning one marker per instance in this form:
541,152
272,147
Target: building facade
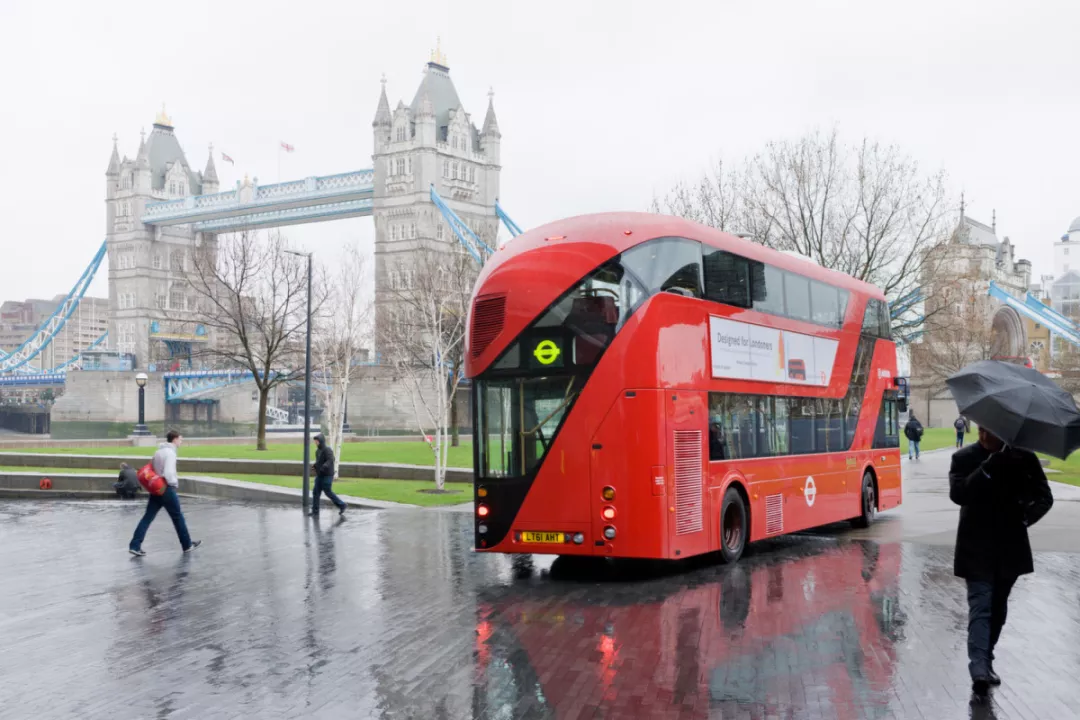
150,302
964,323
20,320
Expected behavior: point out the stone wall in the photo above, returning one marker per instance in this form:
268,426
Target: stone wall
380,402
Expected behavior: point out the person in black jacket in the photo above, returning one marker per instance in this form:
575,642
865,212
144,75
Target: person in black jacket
324,477
913,431
1001,492
127,484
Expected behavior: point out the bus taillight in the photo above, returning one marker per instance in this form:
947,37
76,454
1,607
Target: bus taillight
609,532
482,510
608,493
608,513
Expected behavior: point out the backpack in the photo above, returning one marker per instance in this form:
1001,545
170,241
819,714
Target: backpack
151,481
960,425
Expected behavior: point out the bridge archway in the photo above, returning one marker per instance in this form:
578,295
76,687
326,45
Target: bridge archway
1008,338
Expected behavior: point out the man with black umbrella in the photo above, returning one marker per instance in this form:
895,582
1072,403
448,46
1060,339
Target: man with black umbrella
1001,492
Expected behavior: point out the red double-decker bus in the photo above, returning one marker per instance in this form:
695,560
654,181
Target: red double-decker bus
647,387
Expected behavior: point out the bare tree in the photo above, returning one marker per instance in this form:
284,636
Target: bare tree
252,297
422,332
714,201
343,331
865,209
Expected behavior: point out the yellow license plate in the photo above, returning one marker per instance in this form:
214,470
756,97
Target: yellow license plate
542,537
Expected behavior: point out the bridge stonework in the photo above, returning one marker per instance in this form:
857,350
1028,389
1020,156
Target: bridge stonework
432,142
148,292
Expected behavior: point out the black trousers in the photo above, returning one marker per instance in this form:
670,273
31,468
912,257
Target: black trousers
988,604
323,484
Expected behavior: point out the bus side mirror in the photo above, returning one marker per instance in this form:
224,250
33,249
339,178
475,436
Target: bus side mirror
901,404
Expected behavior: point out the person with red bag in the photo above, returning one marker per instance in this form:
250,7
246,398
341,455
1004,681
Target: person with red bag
164,465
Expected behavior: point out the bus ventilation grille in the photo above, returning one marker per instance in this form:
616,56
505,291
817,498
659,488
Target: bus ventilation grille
687,481
774,514
487,322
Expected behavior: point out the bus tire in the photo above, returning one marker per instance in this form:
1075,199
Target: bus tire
733,526
868,503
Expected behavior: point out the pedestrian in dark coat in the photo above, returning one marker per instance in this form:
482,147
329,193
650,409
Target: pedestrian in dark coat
913,431
324,477
1001,492
127,484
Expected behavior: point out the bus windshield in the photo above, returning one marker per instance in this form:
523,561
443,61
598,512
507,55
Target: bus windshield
522,400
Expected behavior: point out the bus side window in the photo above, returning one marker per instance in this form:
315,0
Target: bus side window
802,425
667,264
769,293
887,431
727,278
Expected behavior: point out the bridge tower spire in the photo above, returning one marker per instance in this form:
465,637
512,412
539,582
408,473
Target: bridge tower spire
430,142
148,300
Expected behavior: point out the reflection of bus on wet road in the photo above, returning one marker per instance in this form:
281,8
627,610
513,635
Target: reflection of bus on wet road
724,638
603,426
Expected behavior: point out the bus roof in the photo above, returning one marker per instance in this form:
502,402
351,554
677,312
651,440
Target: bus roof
601,236
536,267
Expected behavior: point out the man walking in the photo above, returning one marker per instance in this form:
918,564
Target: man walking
324,477
913,431
165,465
961,429
1001,492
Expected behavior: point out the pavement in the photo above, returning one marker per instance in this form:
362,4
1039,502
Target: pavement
388,614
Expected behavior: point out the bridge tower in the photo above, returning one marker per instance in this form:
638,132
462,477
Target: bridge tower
432,141
147,296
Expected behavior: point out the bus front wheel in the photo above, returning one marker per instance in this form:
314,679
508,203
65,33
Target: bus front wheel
733,526
869,503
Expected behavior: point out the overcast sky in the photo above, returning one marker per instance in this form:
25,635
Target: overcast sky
601,104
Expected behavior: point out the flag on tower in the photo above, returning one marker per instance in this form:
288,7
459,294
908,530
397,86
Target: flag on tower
227,159
286,146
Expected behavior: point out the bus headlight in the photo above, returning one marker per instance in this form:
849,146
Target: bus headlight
609,532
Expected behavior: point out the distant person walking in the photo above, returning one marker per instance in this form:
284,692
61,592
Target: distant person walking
127,485
961,425
1001,492
165,465
324,477
913,431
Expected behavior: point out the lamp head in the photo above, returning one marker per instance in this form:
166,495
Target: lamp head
141,379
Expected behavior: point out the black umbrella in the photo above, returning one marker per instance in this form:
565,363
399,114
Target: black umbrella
1020,405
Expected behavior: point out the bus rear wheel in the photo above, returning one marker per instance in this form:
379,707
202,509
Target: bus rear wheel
733,526
869,503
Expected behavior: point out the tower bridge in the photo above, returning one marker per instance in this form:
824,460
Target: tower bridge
433,177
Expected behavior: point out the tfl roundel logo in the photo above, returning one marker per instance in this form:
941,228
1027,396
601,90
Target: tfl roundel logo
810,491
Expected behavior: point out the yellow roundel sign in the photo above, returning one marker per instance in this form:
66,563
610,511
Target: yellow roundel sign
546,352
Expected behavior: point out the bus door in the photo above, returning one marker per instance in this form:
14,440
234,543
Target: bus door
688,497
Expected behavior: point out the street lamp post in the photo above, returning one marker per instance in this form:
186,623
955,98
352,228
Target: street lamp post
141,429
307,387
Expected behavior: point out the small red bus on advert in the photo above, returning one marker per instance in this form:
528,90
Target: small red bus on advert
647,387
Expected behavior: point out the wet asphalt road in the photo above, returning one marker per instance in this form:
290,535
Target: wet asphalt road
390,615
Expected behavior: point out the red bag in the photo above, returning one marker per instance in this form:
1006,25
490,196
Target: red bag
151,481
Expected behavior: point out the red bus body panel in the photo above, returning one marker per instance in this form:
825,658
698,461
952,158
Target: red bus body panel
653,382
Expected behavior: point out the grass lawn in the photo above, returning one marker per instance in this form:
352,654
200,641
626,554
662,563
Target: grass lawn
1070,469
401,491
405,453
936,438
